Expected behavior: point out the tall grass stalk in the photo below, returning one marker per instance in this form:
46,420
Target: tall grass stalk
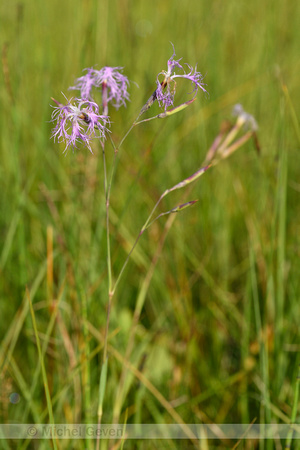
43,369
86,371
295,411
265,416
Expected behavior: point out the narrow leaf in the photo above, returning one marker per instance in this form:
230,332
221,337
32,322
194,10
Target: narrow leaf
41,359
102,386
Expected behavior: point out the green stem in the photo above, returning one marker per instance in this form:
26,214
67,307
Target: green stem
107,219
44,374
144,227
294,411
86,375
180,185
103,374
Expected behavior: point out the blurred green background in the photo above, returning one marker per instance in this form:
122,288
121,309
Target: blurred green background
218,335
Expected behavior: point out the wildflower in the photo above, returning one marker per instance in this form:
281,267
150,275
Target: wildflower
108,78
77,121
85,84
244,118
164,97
116,84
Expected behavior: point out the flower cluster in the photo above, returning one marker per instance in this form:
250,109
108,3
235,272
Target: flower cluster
78,120
165,91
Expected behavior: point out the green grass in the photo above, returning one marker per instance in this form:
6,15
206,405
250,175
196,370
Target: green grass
204,324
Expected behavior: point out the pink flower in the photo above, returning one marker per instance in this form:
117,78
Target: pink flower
78,121
166,89
109,78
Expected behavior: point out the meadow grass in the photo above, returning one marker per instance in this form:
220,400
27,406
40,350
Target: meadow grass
204,324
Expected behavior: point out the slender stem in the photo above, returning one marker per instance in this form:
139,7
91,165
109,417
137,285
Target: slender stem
126,262
113,168
109,267
146,120
86,375
43,369
126,134
295,408
107,220
116,154
107,188
109,270
107,191
144,227
110,297
103,373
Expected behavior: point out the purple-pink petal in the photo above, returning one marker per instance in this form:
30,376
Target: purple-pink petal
78,121
164,93
116,84
85,84
172,63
